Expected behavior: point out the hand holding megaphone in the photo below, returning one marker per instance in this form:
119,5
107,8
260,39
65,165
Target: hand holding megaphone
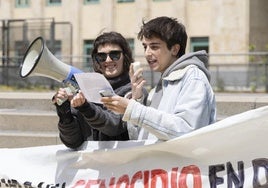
63,94
39,61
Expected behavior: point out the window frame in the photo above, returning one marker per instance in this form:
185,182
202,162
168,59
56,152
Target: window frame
131,43
87,49
160,0
50,3
199,42
86,2
22,3
125,1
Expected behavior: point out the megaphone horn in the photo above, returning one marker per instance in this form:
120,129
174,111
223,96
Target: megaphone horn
39,61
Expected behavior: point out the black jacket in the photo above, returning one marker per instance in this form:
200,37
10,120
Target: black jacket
93,121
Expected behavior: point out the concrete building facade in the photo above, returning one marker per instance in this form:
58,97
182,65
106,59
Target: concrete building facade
218,26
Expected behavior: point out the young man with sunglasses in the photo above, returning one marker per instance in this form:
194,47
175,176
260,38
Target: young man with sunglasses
183,100
81,120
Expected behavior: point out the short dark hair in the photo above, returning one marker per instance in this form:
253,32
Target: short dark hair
167,29
112,38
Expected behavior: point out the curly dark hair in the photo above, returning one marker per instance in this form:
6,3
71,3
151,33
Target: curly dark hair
167,29
112,38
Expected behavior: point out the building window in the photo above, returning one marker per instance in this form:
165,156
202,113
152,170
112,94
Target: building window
22,3
91,1
55,47
53,2
88,47
124,1
199,43
19,48
131,44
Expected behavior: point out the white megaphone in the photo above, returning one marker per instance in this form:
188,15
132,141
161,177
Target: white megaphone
39,61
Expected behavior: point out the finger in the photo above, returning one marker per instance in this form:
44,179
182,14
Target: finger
109,99
77,96
141,84
61,94
75,103
80,93
79,101
131,70
137,76
108,105
62,90
138,72
104,100
80,96
138,83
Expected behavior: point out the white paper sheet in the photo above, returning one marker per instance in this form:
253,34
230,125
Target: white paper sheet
91,83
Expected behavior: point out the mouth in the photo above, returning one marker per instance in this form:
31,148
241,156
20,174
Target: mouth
110,67
152,62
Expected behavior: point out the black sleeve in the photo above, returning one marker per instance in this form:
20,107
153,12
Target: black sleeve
72,127
102,119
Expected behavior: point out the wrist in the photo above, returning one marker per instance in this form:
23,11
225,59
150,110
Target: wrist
140,99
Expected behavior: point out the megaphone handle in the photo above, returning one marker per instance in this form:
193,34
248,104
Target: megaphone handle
61,101
70,90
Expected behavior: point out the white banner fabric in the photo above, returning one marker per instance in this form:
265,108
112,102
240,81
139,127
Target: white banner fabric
230,153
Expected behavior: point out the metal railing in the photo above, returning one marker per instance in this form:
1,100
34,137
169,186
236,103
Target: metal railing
229,72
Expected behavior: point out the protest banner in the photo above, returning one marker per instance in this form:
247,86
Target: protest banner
230,153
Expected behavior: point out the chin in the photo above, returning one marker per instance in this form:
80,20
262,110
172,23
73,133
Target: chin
155,69
111,75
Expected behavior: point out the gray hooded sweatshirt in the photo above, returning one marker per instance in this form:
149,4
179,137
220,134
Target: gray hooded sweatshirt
182,102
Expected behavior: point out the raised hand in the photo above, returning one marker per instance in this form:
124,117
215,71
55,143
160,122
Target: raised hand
137,82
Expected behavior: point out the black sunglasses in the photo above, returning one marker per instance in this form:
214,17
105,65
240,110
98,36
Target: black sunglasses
114,56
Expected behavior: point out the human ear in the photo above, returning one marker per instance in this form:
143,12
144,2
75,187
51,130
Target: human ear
175,49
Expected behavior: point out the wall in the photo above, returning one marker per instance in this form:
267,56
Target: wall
231,25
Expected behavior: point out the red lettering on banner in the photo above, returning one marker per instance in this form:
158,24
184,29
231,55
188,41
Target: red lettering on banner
102,184
136,176
195,171
79,183
168,178
89,183
123,180
146,178
158,176
163,176
112,182
99,182
174,175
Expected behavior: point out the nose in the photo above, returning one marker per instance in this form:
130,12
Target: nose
148,51
108,59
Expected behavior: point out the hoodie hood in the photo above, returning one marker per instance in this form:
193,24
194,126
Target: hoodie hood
199,59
